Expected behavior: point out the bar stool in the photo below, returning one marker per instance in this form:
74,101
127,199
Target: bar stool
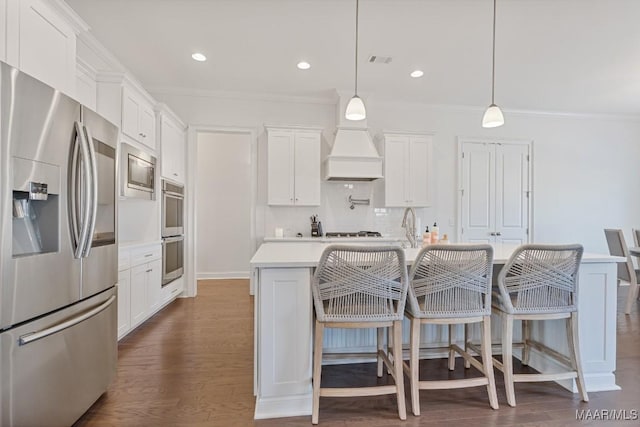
539,282
450,285
360,287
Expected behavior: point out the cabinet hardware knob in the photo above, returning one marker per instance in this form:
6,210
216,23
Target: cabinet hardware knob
148,255
498,234
150,270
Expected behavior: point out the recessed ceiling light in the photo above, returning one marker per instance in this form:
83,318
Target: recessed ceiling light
199,57
303,65
417,73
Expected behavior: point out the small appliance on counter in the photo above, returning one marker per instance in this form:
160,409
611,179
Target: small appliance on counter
316,226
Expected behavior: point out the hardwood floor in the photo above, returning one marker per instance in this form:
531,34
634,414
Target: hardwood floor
192,365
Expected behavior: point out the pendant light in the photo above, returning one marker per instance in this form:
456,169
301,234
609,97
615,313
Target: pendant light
355,108
493,116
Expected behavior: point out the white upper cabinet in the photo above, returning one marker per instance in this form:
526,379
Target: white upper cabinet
123,101
39,38
172,146
407,169
138,117
293,166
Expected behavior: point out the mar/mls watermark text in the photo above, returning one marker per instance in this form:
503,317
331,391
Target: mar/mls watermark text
607,414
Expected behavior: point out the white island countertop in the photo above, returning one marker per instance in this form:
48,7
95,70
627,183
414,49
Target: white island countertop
307,254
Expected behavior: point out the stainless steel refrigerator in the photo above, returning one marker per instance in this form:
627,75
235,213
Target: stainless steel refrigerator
58,254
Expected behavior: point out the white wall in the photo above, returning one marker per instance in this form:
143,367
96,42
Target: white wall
584,173
223,200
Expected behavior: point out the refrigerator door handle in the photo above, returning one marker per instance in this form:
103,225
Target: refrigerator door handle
86,180
34,336
73,192
93,191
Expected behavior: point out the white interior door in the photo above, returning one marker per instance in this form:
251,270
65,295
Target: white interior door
512,193
495,189
478,192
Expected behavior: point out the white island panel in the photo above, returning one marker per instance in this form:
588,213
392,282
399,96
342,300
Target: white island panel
284,343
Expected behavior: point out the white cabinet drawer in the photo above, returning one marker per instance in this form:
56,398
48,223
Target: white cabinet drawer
145,254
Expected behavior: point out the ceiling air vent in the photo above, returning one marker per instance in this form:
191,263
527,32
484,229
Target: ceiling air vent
377,59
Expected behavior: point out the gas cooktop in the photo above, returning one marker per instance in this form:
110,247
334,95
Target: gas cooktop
353,234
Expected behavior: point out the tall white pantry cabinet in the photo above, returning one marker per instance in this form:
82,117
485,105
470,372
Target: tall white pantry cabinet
293,166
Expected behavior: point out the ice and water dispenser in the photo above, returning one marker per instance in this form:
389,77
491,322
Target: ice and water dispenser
36,192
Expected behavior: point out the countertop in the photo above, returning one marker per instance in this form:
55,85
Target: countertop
325,239
307,254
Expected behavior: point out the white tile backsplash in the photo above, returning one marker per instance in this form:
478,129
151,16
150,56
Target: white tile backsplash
336,215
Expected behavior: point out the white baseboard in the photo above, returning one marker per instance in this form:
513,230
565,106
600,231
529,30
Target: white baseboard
223,275
287,406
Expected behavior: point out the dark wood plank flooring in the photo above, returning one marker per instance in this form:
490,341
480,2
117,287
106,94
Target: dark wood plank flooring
192,365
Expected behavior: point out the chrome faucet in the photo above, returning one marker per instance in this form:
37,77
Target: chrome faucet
410,226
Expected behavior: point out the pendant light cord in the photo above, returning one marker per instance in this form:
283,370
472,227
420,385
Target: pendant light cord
356,85
493,66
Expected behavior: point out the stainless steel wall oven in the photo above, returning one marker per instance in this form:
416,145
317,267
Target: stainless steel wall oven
172,231
172,258
172,209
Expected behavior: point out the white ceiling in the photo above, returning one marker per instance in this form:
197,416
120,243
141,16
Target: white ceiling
551,55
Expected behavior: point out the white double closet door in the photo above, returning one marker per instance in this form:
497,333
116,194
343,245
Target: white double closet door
495,191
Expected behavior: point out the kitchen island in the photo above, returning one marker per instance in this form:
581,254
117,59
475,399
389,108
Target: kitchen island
281,276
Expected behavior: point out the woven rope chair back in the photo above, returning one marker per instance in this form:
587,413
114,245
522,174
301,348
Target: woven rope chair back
541,278
360,283
636,236
451,281
618,247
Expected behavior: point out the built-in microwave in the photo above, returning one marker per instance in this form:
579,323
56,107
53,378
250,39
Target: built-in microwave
138,171
172,209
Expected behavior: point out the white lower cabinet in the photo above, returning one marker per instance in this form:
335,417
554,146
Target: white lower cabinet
140,291
124,302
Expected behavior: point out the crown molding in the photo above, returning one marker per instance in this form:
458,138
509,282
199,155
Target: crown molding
453,108
250,96
111,62
84,67
70,16
163,109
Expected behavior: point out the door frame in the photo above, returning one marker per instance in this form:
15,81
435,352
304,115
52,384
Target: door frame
192,203
494,140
